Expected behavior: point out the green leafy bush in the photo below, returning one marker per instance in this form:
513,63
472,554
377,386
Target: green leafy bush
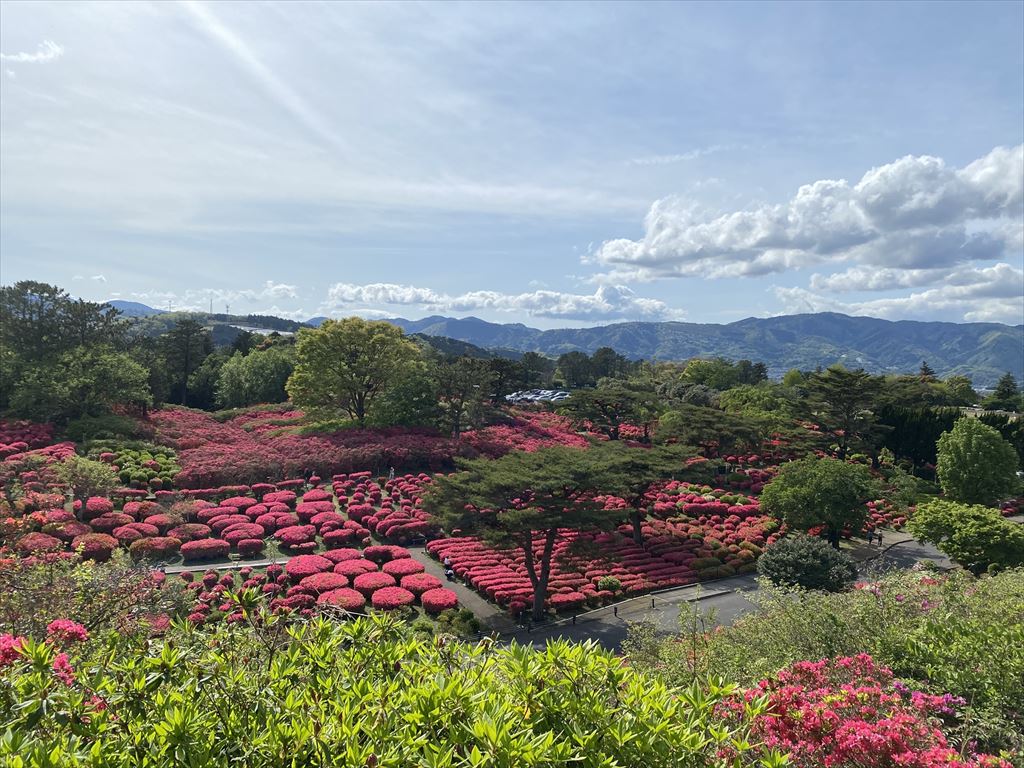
357,694
807,562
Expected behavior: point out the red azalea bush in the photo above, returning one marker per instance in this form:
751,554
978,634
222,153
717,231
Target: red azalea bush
418,583
390,598
354,567
95,546
38,543
302,566
190,531
107,523
324,582
348,599
405,566
437,600
852,713
368,583
154,548
205,549
250,547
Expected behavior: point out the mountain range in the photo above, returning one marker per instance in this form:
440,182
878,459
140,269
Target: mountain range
983,351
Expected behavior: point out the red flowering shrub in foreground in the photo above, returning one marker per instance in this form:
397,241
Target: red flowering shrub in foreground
437,600
390,598
154,548
345,598
319,583
250,547
851,713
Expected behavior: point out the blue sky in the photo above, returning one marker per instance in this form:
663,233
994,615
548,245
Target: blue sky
552,164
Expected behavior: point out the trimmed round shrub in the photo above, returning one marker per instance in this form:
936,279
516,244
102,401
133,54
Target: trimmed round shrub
404,567
236,533
355,567
378,554
807,562
95,546
390,598
96,506
324,582
67,530
302,566
368,583
163,521
418,583
250,547
155,548
294,535
205,549
190,531
347,599
107,523
437,600
340,555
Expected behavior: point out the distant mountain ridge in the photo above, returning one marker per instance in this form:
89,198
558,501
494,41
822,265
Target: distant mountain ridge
983,351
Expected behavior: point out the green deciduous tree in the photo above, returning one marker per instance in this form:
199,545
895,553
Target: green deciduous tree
345,365
509,501
826,492
975,536
976,465
258,377
85,381
86,478
807,562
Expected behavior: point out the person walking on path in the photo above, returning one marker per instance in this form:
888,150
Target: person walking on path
391,474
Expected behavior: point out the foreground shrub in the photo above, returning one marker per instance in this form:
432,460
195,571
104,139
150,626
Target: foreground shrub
807,562
948,633
359,693
117,594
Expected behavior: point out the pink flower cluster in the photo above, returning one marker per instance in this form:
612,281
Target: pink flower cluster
392,512
852,713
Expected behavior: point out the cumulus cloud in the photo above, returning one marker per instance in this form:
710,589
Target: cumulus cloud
914,213
990,294
47,51
608,302
99,278
1000,278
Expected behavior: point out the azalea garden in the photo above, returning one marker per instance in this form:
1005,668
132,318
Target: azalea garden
259,585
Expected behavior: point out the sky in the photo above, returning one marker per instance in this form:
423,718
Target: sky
555,164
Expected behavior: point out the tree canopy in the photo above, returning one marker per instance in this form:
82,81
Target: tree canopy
975,536
976,465
510,500
821,492
344,365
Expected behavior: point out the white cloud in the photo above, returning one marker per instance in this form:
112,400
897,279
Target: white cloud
99,278
1002,278
912,213
693,154
242,300
608,302
992,294
47,51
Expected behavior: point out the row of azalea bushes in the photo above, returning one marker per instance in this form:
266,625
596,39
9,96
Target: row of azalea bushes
372,691
253,447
